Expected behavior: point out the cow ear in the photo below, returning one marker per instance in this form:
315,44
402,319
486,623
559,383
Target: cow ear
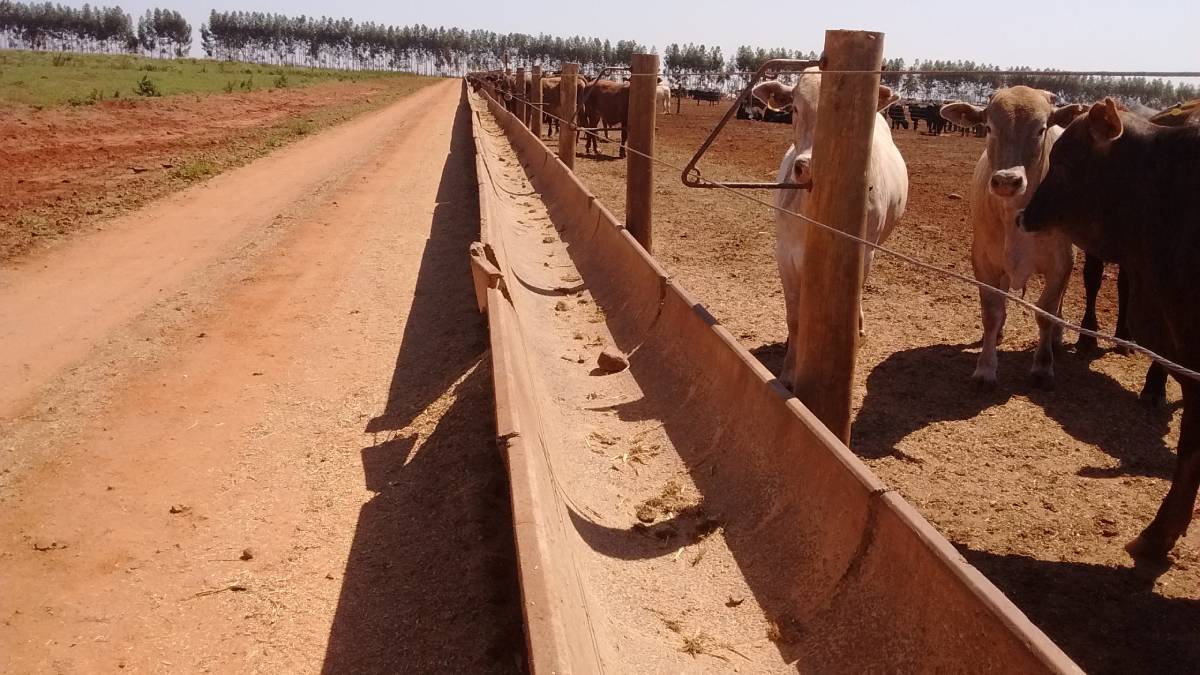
1050,96
886,98
775,94
1063,116
1104,121
963,114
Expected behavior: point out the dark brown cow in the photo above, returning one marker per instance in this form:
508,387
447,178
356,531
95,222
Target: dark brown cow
552,100
1180,114
513,90
607,103
1129,191
1154,391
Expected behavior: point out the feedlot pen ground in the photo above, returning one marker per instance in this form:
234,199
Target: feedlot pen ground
1038,489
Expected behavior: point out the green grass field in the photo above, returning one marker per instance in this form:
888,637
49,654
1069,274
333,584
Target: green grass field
61,78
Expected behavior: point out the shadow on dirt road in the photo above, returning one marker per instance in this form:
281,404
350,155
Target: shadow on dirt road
430,585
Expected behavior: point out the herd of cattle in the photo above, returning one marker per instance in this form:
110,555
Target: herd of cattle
901,115
931,115
602,103
1122,185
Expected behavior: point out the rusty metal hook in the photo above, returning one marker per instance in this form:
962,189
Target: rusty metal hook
691,175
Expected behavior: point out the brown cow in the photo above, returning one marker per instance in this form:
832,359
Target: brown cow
1179,114
606,102
552,101
513,91
1154,391
1129,191
1023,125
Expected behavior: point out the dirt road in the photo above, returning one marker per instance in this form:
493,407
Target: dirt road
249,429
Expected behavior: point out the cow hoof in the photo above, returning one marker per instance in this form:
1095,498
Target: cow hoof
984,382
1149,548
1086,344
1153,399
1122,350
1043,380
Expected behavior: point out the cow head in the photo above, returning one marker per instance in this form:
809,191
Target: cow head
1179,114
1071,196
1017,120
802,100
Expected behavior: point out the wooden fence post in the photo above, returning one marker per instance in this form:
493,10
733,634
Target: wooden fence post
528,116
639,174
567,131
831,293
520,93
535,89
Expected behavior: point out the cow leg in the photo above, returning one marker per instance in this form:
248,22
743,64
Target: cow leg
1093,276
791,298
868,258
590,144
993,309
1049,332
1175,513
789,256
1122,304
624,136
1122,310
1154,391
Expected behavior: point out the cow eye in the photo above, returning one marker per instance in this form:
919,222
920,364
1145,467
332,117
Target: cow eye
1041,131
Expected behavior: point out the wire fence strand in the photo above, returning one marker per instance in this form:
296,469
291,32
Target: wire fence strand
1170,365
981,73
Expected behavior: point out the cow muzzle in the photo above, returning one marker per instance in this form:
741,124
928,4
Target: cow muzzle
802,172
1008,183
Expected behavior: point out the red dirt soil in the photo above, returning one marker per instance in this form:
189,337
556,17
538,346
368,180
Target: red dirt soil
67,166
1038,489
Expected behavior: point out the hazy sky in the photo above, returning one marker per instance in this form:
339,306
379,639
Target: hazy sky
1100,34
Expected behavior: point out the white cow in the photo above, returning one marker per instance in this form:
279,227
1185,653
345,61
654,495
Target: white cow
662,97
888,195
1023,125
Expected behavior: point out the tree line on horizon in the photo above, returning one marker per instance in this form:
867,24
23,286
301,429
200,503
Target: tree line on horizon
343,43
106,30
